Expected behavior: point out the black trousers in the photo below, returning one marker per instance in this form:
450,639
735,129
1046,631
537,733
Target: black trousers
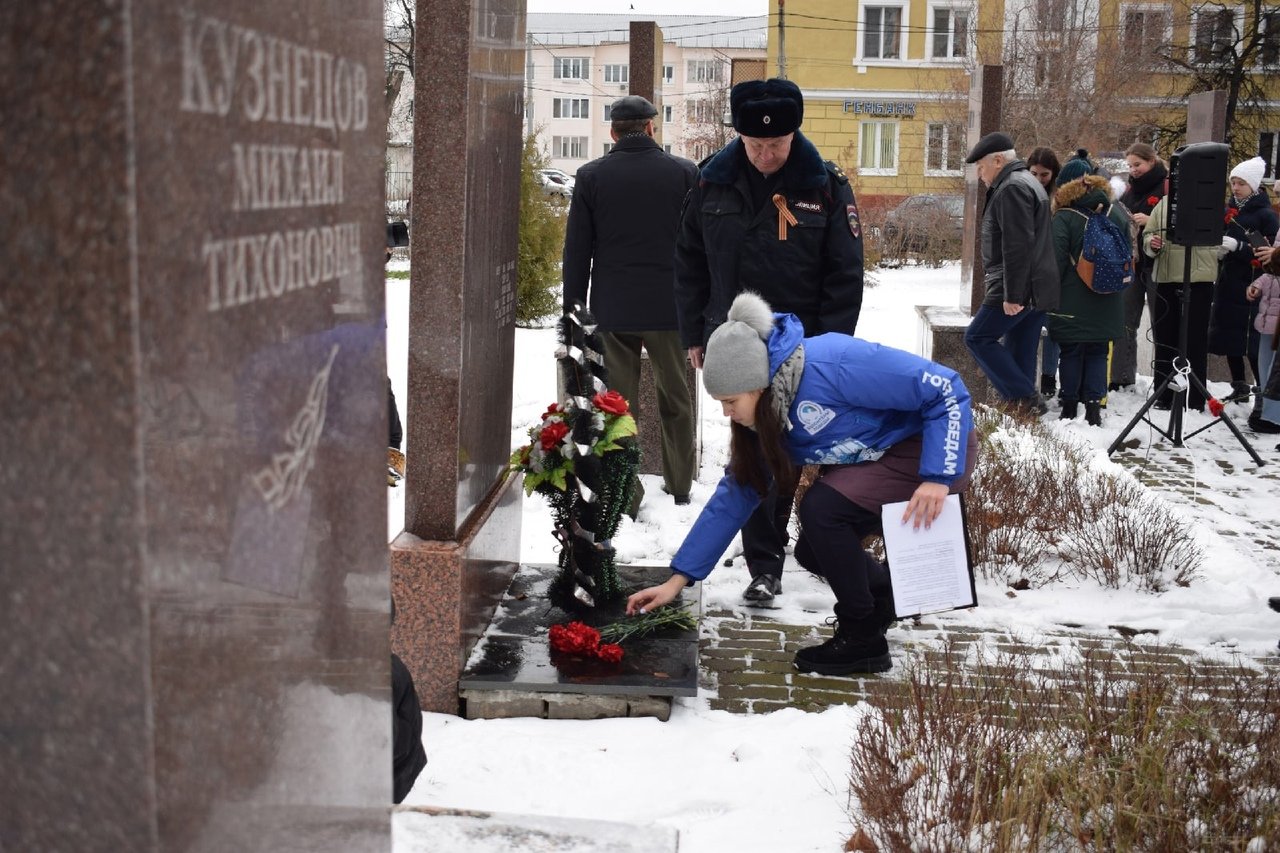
1166,319
832,528
767,532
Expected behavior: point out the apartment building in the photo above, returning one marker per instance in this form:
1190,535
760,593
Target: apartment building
886,81
576,65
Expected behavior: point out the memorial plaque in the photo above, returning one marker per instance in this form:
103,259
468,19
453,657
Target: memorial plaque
462,305
196,568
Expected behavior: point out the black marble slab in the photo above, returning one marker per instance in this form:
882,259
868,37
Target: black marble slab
515,652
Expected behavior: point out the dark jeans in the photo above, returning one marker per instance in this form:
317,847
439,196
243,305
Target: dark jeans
830,545
1166,318
767,532
1005,348
1082,371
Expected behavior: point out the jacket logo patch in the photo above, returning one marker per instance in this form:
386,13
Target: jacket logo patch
811,206
855,227
813,417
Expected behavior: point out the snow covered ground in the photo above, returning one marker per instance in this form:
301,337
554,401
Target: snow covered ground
778,781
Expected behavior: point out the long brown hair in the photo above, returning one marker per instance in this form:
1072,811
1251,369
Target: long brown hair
756,454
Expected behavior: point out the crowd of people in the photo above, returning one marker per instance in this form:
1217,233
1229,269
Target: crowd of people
750,266
1091,346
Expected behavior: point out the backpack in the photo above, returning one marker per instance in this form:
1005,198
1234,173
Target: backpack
1106,256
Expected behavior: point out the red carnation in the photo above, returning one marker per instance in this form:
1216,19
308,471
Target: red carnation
1231,215
1215,407
576,638
553,409
611,402
1153,200
610,653
1255,263
552,433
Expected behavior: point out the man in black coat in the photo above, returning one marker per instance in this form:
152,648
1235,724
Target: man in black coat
769,215
620,245
1020,273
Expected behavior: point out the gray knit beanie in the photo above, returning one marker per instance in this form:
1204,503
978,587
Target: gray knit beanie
736,359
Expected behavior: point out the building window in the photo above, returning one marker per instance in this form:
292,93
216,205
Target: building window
667,112
705,71
950,33
1269,52
571,108
1046,68
1215,34
699,110
882,33
569,147
616,73
701,151
878,154
608,146
666,146
1269,150
1143,31
944,149
1051,16
571,68
668,73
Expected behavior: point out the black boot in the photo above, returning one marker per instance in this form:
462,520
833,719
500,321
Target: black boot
1093,413
1048,385
857,647
1069,410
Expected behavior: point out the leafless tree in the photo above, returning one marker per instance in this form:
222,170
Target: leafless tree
1065,87
398,34
1233,48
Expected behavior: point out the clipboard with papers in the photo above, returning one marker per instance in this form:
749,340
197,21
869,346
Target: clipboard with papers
932,568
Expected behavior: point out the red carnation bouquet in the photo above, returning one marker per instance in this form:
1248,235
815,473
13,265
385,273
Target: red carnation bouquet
578,638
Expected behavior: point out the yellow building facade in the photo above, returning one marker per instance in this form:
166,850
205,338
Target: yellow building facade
886,81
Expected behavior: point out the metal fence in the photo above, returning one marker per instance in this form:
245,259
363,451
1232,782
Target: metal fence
399,186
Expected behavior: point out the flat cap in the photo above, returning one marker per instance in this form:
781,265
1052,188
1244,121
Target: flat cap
630,108
766,108
990,144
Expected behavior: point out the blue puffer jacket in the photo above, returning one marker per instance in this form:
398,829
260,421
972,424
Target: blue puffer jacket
855,400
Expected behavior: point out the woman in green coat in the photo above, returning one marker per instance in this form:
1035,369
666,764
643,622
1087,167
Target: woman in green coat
1085,322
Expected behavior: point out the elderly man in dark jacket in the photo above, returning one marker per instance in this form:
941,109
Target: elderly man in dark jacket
620,244
1021,275
769,215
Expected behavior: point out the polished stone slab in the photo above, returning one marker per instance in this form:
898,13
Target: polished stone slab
515,653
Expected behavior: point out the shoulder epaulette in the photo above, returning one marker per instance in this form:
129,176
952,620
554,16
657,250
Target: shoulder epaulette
836,171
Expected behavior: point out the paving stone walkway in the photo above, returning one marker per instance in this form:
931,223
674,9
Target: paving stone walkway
746,659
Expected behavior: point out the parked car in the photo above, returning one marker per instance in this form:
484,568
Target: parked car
556,182
921,221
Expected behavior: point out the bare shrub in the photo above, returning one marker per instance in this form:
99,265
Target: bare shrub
1011,755
1039,510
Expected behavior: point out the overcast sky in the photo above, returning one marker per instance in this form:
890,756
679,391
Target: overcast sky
654,7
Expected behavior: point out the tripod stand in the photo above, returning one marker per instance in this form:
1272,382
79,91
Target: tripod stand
1182,378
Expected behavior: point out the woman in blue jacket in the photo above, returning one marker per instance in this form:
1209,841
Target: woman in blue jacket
885,426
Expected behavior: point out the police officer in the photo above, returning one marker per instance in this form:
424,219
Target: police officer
769,215
619,251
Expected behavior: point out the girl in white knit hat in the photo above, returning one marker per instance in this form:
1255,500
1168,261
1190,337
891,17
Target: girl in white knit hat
1231,331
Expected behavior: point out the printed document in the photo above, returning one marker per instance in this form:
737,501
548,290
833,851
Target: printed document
931,568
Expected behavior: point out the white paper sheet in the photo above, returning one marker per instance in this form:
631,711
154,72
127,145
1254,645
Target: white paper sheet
930,568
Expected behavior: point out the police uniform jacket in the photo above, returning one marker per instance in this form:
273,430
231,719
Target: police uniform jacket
621,234
726,246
